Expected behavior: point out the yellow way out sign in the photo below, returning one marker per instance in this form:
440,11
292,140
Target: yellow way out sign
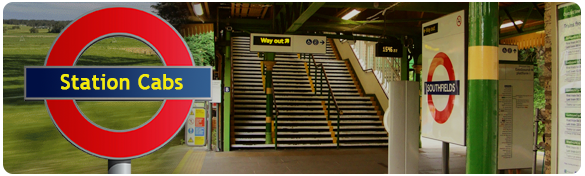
280,43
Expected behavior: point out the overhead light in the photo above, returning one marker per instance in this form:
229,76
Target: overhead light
511,24
197,8
351,14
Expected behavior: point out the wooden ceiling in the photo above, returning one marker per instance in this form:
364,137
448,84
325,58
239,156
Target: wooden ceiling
401,18
243,10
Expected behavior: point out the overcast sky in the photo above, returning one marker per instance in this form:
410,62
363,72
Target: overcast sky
62,10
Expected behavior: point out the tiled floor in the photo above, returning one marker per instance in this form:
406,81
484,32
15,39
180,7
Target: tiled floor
328,161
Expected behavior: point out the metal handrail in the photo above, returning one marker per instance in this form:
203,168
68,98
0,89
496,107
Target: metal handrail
330,95
275,117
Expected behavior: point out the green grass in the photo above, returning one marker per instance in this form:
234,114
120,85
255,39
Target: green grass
32,144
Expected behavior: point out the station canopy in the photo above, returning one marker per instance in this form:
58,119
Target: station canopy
371,18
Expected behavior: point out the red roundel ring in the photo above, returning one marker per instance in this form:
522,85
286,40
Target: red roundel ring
119,144
441,59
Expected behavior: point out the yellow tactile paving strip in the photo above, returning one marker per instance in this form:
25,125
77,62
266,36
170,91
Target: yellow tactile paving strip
309,76
329,122
191,163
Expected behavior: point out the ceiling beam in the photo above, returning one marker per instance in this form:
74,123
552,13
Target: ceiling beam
337,19
207,13
348,37
538,9
267,3
342,12
233,9
526,31
304,16
516,7
190,6
431,7
512,20
264,10
366,29
246,21
522,14
397,20
519,11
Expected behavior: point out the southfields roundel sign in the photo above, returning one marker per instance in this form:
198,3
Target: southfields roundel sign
445,87
119,144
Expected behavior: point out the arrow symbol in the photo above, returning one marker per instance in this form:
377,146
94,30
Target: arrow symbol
322,42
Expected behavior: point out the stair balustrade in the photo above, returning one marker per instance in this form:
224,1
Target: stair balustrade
275,120
330,96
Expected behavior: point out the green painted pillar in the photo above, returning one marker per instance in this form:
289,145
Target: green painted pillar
404,63
227,96
482,107
269,63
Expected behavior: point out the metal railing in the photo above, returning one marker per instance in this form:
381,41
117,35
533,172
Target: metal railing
275,120
386,69
330,96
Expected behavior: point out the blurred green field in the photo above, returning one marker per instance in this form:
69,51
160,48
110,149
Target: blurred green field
32,144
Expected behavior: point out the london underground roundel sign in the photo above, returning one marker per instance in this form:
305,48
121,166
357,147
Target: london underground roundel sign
444,70
450,87
119,144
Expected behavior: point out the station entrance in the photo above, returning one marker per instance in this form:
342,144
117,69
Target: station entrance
475,64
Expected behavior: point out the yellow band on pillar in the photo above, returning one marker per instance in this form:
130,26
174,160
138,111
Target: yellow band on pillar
268,119
483,63
269,65
269,90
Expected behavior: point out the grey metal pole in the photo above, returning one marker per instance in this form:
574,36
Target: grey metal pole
217,136
445,158
209,126
119,167
535,146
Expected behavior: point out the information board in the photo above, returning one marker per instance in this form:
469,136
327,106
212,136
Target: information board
216,91
195,127
282,43
516,116
190,129
444,77
200,126
508,52
569,88
391,48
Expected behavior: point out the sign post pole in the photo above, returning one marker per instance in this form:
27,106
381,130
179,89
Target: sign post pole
209,126
119,166
445,158
482,110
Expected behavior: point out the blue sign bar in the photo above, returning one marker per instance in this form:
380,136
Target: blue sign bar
117,83
442,88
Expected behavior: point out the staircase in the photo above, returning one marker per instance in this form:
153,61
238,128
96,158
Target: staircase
301,120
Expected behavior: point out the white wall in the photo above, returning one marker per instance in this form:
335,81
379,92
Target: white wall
367,80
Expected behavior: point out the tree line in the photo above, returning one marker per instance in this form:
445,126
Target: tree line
52,25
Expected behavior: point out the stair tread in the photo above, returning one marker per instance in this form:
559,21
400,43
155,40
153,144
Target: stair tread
308,121
311,133
311,127
301,115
